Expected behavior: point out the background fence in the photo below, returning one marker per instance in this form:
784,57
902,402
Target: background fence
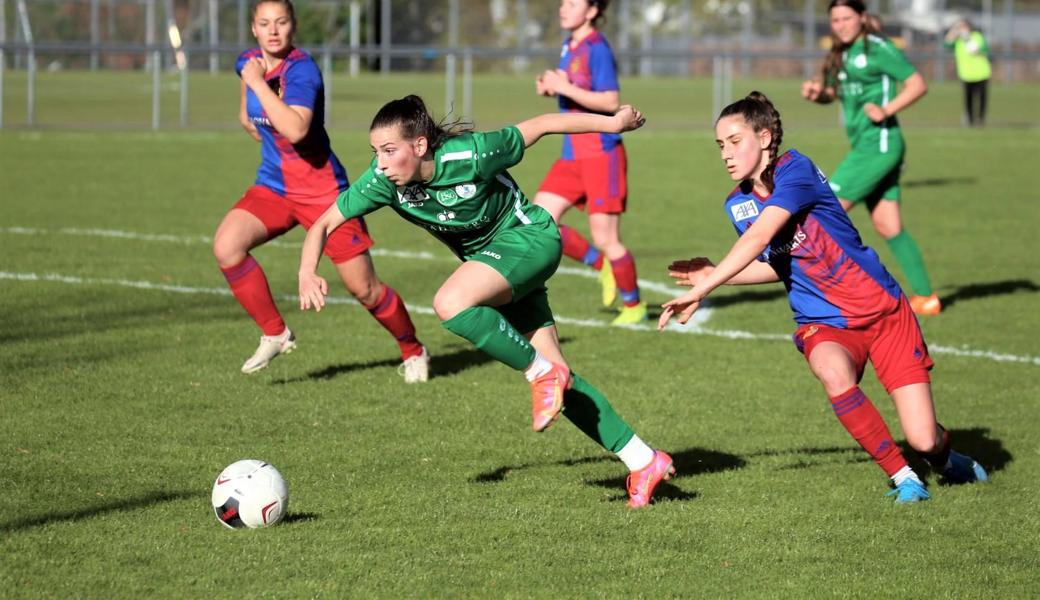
81,49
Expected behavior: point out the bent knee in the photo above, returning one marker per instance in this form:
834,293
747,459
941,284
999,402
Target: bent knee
924,442
835,381
449,302
365,291
228,252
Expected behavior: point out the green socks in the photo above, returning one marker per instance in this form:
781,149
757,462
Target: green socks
488,330
583,404
908,255
588,409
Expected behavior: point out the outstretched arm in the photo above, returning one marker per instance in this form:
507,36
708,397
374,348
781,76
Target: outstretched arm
626,119
313,287
744,251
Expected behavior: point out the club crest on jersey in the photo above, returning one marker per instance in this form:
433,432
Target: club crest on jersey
466,190
860,62
413,195
744,210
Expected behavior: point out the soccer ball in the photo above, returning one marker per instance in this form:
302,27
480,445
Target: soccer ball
250,493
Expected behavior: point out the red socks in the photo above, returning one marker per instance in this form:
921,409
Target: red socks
249,286
625,275
577,247
862,420
392,314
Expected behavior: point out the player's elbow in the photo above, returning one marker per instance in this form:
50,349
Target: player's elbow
295,135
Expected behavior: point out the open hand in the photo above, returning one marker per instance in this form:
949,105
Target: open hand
690,272
684,306
313,289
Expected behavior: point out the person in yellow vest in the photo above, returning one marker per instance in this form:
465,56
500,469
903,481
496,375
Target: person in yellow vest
972,55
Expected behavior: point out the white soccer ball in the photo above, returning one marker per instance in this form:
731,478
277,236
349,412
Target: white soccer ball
250,493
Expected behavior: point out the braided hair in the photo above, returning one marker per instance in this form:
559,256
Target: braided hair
411,114
759,113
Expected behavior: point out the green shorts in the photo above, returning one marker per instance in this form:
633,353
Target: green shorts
527,256
868,176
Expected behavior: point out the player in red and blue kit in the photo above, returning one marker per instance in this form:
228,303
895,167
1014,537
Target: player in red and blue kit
592,172
282,107
848,308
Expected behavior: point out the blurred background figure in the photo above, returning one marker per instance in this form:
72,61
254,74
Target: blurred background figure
972,55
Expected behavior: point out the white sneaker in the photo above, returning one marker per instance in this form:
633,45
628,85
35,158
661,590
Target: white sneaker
417,368
270,347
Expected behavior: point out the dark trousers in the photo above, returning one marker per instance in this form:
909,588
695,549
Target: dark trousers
975,101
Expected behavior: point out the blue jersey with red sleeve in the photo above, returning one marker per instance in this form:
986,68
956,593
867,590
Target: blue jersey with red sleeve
307,171
830,276
591,66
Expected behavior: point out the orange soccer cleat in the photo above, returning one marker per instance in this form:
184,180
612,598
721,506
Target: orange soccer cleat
641,483
547,396
925,305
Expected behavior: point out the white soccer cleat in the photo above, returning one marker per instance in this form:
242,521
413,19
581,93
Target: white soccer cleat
270,347
417,368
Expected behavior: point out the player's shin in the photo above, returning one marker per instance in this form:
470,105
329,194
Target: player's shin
488,330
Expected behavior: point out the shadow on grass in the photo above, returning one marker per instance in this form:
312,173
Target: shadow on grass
688,463
299,517
746,297
142,501
983,290
818,456
441,365
939,181
976,443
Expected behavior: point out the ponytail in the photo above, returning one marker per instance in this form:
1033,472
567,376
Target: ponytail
411,114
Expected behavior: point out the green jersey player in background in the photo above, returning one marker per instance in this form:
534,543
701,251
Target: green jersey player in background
454,184
864,70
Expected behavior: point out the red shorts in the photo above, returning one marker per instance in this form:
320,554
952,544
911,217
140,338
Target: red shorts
280,214
893,344
599,182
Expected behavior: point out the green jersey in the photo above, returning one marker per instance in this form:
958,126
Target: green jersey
469,200
870,73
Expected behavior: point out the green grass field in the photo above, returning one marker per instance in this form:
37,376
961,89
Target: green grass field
121,398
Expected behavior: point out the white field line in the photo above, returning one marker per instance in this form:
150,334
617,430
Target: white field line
700,318
964,352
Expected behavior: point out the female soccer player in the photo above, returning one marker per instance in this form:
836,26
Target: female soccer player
282,107
862,70
848,308
592,172
454,184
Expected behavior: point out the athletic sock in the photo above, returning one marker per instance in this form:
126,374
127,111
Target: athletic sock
904,474
940,459
862,420
625,275
249,286
392,314
577,247
908,255
636,454
588,409
488,330
539,366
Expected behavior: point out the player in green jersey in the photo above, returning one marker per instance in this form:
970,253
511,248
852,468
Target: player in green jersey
454,184
864,70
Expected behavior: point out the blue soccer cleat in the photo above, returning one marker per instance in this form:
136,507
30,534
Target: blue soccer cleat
964,469
909,491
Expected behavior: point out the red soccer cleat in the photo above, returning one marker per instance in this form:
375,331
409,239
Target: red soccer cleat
641,483
547,396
